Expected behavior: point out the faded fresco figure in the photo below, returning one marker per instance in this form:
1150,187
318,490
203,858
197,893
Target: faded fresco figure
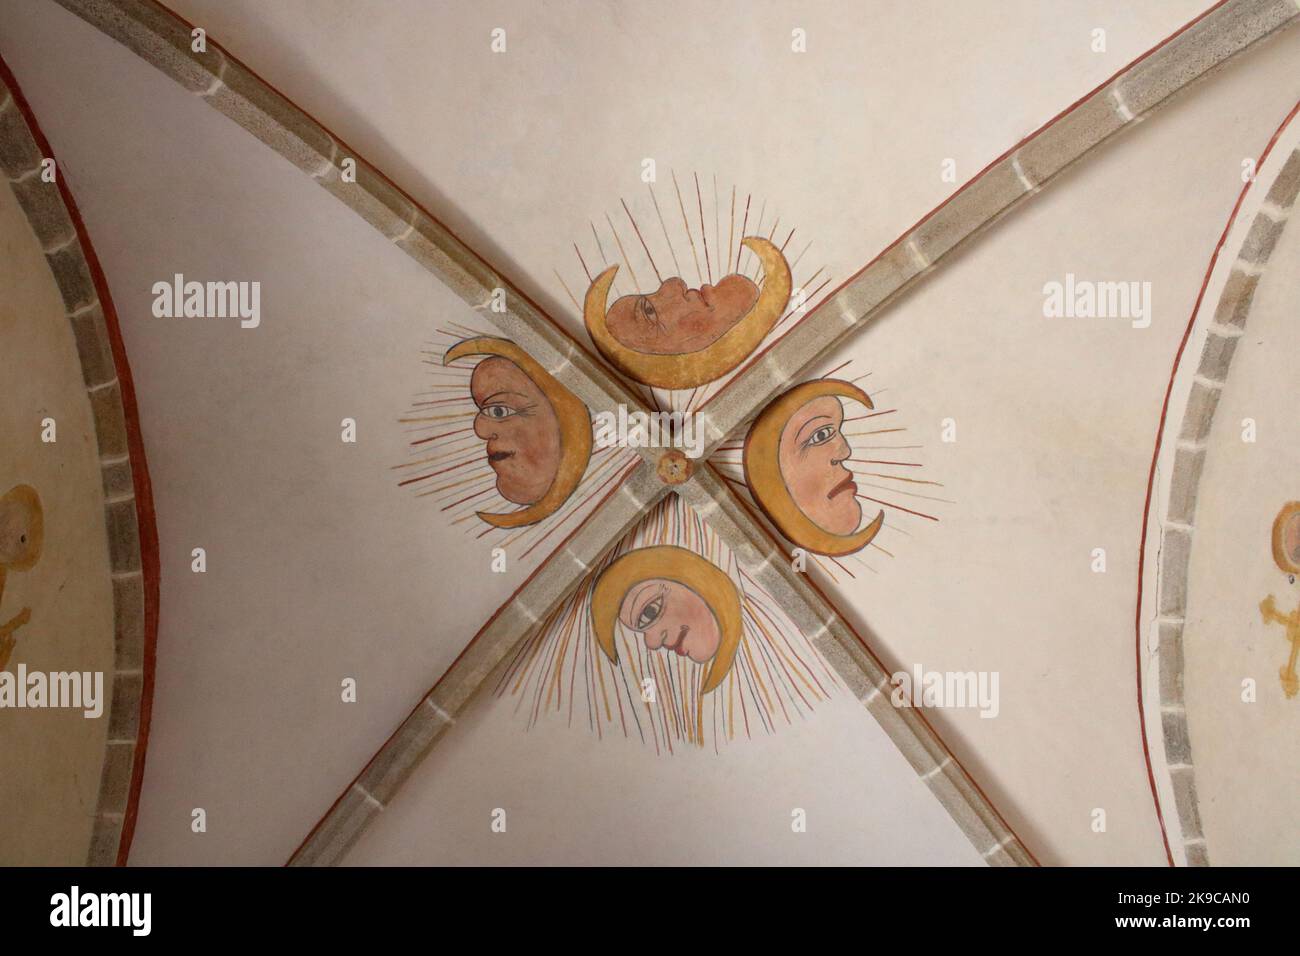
22,533
1286,555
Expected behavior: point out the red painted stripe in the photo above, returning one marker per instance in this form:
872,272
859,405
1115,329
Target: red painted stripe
495,614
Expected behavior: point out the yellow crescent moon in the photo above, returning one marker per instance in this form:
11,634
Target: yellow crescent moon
689,369
763,471
1290,512
575,429
671,564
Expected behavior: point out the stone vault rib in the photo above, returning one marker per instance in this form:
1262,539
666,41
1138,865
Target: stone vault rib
132,535
162,39
1219,324
532,604
1127,98
860,669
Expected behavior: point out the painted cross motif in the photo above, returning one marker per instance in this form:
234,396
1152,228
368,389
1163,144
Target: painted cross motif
1268,609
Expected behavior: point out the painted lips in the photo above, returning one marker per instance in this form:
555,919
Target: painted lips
845,485
497,456
680,647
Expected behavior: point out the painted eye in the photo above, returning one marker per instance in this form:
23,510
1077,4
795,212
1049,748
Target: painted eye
649,311
649,614
822,435
497,412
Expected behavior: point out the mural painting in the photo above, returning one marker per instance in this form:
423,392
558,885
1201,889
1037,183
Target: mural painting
1286,555
22,532
672,642
501,447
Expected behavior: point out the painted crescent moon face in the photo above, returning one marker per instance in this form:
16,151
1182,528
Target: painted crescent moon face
677,600
681,338
670,616
676,320
537,434
518,425
1286,538
793,459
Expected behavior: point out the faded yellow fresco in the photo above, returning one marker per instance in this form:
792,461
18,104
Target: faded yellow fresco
685,367
1286,554
22,531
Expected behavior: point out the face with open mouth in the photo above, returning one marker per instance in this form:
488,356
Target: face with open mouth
812,455
677,319
672,616
520,428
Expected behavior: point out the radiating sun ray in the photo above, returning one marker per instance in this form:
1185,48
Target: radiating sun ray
637,230
687,226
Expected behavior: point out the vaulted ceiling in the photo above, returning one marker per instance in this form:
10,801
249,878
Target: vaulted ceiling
313,659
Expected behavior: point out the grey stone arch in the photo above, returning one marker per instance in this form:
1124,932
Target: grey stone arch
1227,321
134,584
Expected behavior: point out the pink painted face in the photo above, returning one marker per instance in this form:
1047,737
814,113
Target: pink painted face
672,616
677,319
811,456
520,427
